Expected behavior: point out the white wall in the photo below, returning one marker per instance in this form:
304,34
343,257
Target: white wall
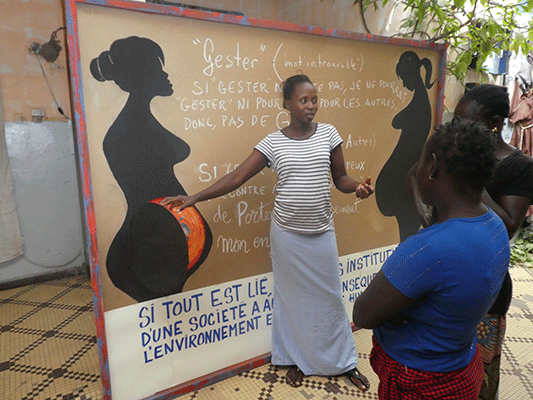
43,165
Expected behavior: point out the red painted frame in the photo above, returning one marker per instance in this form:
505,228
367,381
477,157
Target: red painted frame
83,151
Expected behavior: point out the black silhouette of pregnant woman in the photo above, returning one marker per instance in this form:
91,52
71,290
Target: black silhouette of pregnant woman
414,121
157,248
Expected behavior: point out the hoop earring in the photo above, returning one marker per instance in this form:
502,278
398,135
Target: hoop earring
431,177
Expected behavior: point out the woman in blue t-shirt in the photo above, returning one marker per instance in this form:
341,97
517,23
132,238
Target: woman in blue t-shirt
427,300
509,194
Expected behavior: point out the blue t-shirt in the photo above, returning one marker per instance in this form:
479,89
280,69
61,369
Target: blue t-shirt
454,270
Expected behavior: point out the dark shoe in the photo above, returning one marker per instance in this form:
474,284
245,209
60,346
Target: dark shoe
358,379
294,376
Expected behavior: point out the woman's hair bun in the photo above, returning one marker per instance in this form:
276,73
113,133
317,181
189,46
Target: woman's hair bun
102,68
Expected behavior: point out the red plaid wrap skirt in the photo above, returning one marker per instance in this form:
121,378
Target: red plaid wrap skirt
397,382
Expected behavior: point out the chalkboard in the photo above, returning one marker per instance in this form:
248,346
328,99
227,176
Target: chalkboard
168,100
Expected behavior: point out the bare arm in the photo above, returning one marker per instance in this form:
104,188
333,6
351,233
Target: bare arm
511,209
342,181
425,213
250,167
380,301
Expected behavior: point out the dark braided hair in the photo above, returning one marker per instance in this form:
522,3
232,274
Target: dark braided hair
288,86
466,149
493,99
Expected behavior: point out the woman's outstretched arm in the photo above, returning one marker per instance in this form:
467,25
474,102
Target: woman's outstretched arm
425,213
250,167
342,181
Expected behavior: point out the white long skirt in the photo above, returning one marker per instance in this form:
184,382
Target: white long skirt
310,326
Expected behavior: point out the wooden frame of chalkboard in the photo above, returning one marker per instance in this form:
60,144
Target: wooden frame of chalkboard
332,84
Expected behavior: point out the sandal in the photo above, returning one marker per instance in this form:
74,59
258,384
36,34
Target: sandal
294,376
358,379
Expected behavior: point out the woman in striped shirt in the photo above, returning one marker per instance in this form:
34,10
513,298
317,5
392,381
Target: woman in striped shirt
311,331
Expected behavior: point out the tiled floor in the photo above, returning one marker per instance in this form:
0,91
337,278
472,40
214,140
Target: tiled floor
48,351
48,343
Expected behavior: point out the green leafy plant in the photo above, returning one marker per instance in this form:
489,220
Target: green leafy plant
522,248
473,29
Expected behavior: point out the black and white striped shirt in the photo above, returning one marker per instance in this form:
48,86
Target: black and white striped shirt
303,166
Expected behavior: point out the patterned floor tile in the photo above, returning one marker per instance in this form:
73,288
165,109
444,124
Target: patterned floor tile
12,312
42,293
53,321
15,341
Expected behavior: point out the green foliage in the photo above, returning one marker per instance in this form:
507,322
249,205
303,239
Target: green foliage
522,248
473,29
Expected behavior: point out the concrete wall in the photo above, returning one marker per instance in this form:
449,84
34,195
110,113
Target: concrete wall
24,88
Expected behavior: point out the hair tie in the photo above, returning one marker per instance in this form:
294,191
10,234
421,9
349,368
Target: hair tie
99,70
106,66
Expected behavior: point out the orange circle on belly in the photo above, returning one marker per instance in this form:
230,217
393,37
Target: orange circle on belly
193,226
